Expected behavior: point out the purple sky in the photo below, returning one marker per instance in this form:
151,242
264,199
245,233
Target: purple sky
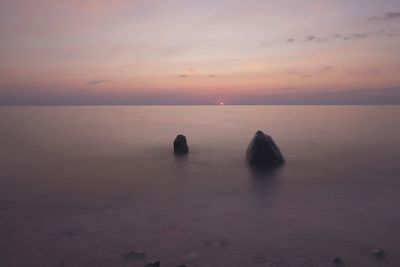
77,52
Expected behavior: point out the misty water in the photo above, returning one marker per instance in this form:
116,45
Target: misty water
81,186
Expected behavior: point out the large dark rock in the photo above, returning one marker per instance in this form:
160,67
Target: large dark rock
180,145
263,152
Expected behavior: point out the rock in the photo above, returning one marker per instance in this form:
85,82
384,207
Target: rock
263,152
134,255
223,243
378,253
337,261
180,145
182,265
153,264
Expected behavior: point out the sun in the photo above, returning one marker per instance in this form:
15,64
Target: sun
221,103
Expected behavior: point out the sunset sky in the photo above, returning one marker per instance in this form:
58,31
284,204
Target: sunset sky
199,52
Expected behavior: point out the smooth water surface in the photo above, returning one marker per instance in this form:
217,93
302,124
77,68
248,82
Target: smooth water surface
81,186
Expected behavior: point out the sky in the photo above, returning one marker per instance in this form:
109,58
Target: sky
98,52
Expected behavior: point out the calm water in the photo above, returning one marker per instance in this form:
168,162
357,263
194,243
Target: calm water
81,186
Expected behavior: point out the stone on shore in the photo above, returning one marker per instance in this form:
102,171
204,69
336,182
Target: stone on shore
134,255
263,152
180,145
378,253
338,261
153,264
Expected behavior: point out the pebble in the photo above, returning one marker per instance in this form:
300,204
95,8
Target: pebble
153,264
337,261
134,255
378,253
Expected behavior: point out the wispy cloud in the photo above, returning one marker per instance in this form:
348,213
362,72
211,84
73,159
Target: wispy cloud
327,68
386,16
318,39
95,82
351,36
389,32
310,38
374,96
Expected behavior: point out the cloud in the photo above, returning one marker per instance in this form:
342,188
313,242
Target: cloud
389,32
95,82
94,97
358,35
290,40
378,96
279,95
351,36
310,38
313,38
327,68
386,16
182,76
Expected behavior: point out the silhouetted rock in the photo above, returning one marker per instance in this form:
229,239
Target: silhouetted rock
263,152
153,264
338,261
134,255
182,265
378,253
180,145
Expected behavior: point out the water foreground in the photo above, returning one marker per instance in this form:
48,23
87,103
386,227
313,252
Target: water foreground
82,186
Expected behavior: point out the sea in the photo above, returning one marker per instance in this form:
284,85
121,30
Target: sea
93,185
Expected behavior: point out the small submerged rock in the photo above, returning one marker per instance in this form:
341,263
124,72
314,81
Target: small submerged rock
180,145
134,255
337,261
263,152
378,253
153,264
